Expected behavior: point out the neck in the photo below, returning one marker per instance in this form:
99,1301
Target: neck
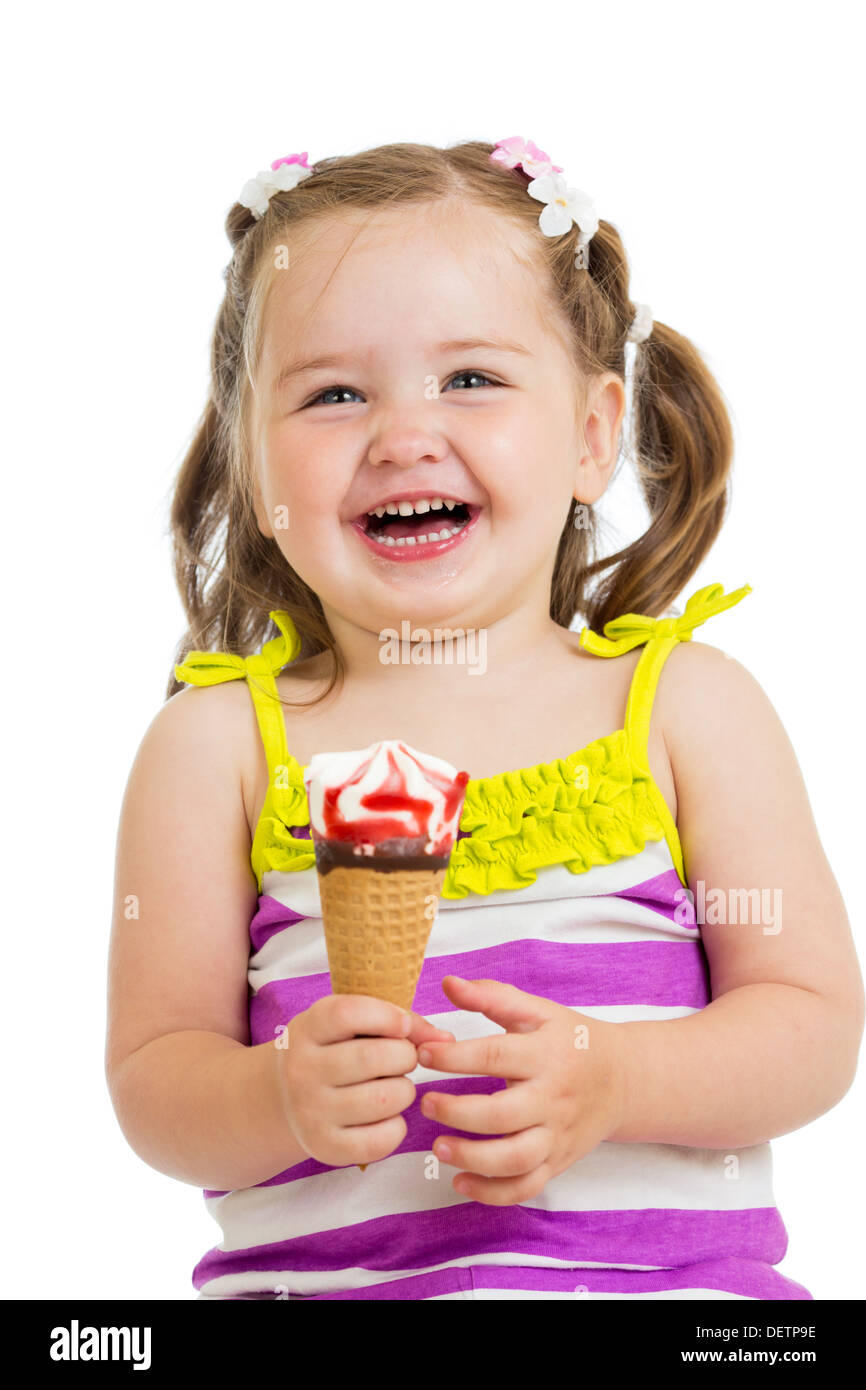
456,662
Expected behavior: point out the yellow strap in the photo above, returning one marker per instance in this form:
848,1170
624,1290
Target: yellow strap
661,636
631,629
259,670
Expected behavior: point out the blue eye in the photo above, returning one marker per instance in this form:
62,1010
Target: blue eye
467,373
327,392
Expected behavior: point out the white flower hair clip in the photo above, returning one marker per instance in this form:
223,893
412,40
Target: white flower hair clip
563,205
284,174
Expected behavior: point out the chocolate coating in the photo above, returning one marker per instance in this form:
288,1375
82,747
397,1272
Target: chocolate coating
388,856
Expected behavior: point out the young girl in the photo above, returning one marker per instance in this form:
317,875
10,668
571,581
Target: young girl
641,969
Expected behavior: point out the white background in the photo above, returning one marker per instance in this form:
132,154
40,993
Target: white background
724,141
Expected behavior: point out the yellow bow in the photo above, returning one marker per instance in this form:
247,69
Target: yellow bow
209,668
631,629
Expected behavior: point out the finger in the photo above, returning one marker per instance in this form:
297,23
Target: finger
345,1016
508,1157
502,1192
365,1059
514,1009
498,1054
363,1144
503,1112
368,1102
424,1031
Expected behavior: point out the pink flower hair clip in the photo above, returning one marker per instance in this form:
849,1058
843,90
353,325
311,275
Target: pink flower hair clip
563,205
284,174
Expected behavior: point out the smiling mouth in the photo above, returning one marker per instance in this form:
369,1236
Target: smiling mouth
419,527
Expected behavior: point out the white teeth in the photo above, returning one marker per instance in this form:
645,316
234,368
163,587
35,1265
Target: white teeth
418,540
424,504
406,508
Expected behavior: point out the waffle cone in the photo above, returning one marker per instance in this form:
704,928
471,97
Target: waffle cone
377,926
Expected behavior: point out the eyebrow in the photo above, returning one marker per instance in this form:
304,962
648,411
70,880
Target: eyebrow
312,364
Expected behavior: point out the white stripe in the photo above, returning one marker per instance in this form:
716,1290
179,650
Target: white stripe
565,917
552,879
594,1296
611,1177
356,1277
279,1282
522,1294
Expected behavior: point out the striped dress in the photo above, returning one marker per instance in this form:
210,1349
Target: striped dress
566,881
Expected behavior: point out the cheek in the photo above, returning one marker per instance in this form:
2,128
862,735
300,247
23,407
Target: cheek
293,482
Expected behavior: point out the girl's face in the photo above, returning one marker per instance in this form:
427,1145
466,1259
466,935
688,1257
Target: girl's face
412,406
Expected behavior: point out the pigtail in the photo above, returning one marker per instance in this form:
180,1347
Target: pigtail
680,445
683,450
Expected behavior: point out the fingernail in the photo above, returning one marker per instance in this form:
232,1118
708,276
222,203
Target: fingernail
405,1025
424,1056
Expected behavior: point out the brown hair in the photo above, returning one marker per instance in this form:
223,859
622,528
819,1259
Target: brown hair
230,575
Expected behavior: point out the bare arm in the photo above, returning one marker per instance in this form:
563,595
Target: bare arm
778,1044
193,1099
206,1110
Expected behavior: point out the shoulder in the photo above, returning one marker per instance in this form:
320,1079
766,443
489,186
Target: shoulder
712,709
203,715
205,733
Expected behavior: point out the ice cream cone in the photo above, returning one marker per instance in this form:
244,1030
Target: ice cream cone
376,929
383,824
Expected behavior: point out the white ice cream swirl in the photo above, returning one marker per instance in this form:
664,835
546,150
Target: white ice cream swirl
388,768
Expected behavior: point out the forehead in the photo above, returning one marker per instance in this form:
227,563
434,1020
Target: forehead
421,273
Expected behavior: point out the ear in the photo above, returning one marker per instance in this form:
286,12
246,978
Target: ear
600,428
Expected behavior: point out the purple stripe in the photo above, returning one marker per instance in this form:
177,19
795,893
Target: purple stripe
272,916
654,1236
749,1278
668,974
663,894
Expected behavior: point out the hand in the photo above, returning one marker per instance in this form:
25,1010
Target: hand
343,1076
565,1091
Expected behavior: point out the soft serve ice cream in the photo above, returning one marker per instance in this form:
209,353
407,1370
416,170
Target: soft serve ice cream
387,806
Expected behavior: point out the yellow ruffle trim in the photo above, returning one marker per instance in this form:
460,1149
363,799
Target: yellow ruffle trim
593,807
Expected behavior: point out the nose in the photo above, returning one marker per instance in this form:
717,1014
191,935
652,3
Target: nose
405,446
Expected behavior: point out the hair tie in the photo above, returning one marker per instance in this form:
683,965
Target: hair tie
641,324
